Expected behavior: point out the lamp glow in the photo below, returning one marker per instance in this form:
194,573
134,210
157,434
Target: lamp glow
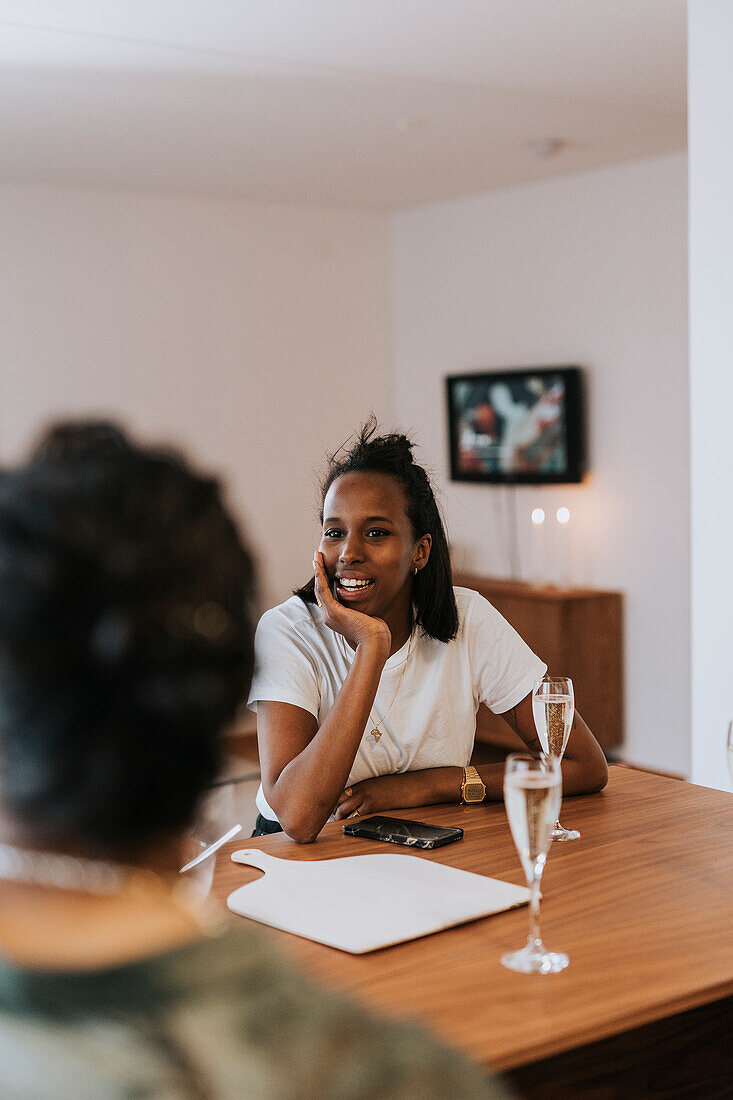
538,516
563,515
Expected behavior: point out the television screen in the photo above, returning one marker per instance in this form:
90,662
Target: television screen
517,427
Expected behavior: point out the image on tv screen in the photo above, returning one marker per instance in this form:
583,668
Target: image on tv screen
511,426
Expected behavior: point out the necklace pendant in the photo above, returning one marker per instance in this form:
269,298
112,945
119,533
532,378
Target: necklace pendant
376,734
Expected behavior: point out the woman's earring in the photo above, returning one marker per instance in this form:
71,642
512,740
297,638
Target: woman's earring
414,572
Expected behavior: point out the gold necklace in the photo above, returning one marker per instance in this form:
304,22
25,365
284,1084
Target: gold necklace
375,731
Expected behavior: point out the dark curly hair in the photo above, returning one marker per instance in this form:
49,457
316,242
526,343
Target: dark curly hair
432,588
126,639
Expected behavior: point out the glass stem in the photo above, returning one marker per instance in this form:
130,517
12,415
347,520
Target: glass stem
534,911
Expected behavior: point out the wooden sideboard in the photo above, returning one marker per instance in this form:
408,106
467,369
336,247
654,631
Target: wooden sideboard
578,633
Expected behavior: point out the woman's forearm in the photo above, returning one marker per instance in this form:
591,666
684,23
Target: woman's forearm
435,785
427,787
307,789
432,786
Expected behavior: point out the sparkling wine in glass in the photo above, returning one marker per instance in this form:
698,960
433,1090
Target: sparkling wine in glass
553,706
532,795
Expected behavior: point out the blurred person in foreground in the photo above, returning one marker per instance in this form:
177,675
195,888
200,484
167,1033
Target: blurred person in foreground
126,621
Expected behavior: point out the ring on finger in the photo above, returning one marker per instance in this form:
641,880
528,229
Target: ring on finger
348,791
355,813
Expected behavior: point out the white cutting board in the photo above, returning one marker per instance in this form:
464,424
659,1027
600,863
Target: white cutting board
361,903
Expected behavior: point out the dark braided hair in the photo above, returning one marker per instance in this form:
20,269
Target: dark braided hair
126,625
432,588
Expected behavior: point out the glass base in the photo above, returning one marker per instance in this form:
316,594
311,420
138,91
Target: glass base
559,833
535,959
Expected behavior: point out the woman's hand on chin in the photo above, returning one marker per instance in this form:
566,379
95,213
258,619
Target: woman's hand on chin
355,626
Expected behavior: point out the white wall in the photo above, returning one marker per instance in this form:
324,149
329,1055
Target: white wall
710,30
589,270
254,335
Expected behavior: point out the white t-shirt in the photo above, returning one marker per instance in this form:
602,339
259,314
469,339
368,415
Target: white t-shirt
432,722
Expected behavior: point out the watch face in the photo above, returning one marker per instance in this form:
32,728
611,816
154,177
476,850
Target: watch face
474,792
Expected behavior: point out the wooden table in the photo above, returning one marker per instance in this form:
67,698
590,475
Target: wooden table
642,903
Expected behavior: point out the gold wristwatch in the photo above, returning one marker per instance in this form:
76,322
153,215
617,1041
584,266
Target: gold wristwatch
473,788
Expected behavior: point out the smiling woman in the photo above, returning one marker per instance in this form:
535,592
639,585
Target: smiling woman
368,679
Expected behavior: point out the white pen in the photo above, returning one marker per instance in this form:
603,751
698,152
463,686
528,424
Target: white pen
211,849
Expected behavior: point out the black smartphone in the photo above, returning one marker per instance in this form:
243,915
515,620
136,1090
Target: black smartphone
412,834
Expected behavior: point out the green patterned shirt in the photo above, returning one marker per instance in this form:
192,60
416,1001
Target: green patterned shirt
223,1017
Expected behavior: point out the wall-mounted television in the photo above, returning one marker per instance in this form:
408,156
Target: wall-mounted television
517,427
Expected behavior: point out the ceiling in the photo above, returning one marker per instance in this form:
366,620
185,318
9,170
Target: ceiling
361,103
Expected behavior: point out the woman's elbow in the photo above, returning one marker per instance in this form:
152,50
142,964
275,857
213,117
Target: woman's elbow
586,776
598,777
301,837
302,832
302,826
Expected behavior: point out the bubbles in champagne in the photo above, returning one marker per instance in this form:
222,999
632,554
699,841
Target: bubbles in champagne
553,717
532,804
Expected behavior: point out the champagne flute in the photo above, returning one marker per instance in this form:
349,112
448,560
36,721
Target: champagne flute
553,706
532,795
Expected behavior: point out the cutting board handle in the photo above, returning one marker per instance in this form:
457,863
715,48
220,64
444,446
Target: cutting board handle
254,858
